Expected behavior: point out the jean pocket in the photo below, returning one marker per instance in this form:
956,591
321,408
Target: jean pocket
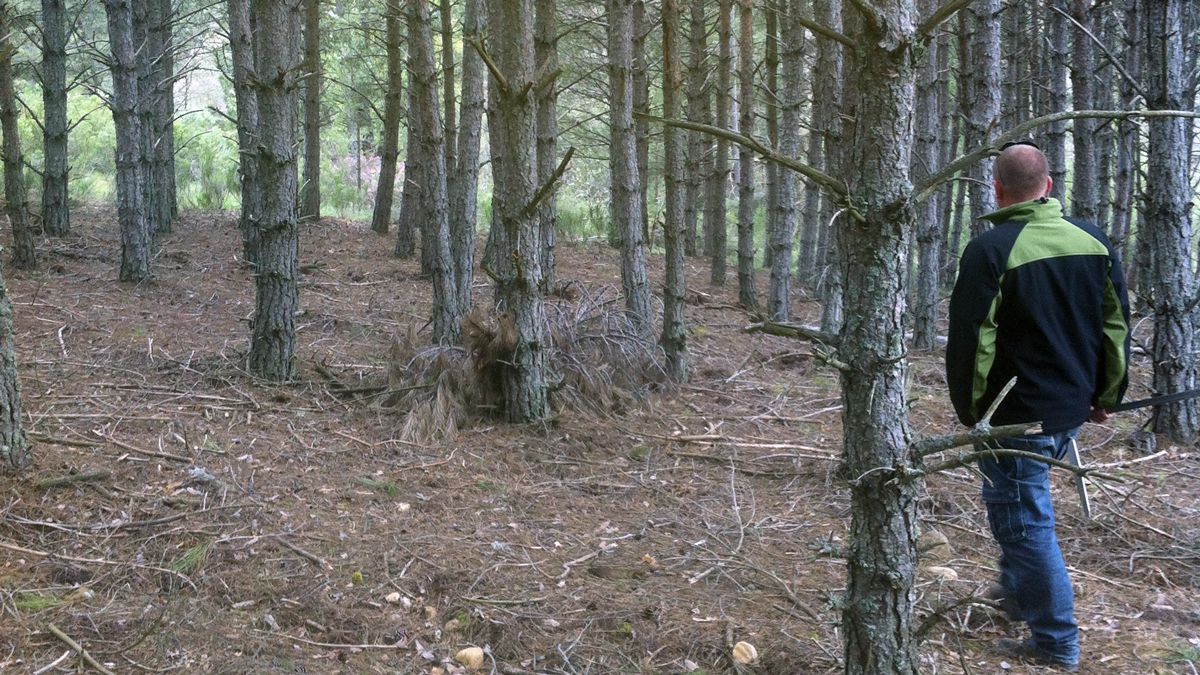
1002,497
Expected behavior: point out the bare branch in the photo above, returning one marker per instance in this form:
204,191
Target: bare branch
792,330
825,31
928,26
833,185
976,435
926,187
491,65
551,183
968,458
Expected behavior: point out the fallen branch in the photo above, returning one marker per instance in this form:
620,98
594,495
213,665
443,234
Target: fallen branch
68,479
83,653
968,458
312,558
792,330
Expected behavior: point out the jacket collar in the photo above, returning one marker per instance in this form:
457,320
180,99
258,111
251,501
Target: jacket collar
1046,208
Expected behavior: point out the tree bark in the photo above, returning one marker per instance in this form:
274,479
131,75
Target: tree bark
147,51
1168,221
389,151
546,53
829,13
242,51
14,449
929,227
789,95
747,294
131,213
698,143
1127,132
984,115
626,202
525,379
771,98
56,213
16,202
426,121
882,559
407,224
310,192
1056,138
466,181
164,116
718,182
276,78
1084,190
446,17
641,105
674,332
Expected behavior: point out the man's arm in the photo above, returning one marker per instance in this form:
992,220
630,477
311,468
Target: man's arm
1114,357
970,346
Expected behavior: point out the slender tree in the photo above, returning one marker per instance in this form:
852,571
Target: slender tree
465,183
446,17
131,205
147,50
277,76
389,151
56,213
14,449
831,65
426,121
718,182
983,119
1127,131
16,205
242,53
928,227
674,332
1167,198
162,104
698,143
771,104
626,204
791,100
747,294
1084,190
546,53
525,380
641,106
310,190
1056,136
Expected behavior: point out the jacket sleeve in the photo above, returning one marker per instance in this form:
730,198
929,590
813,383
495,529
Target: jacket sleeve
972,312
1114,356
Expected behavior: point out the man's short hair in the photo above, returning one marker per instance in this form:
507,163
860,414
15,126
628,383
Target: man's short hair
1022,170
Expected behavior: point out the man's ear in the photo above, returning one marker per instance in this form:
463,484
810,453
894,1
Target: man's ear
999,190
1049,186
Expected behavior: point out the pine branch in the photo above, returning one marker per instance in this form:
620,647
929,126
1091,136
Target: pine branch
928,26
926,187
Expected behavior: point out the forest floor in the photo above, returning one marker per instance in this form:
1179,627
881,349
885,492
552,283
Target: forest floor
241,527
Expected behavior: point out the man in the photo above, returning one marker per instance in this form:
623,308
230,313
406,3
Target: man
1041,298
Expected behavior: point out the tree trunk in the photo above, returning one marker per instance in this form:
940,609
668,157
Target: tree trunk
641,105
929,227
16,203
525,379
1105,135
718,182
747,294
164,117
56,215
147,52
310,192
426,121
771,98
1168,221
626,203
1127,133
131,213
389,151
947,150
1056,138
407,224
674,332
984,116
546,53
830,65
14,450
790,98
446,18
698,143
1084,190
466,180
277,71
242,52
882,556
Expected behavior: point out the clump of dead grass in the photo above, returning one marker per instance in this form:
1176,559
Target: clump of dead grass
599,364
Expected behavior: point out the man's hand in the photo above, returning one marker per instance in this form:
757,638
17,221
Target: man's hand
1098,415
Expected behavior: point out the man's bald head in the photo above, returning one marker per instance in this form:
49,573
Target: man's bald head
1022,174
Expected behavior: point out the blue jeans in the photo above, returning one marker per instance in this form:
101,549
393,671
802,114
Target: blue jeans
1016,492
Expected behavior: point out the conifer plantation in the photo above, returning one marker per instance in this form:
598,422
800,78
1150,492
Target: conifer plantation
553,336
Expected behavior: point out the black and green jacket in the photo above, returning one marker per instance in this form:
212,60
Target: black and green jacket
1040,297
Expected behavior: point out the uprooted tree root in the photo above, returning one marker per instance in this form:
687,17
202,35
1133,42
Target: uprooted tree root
598,362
